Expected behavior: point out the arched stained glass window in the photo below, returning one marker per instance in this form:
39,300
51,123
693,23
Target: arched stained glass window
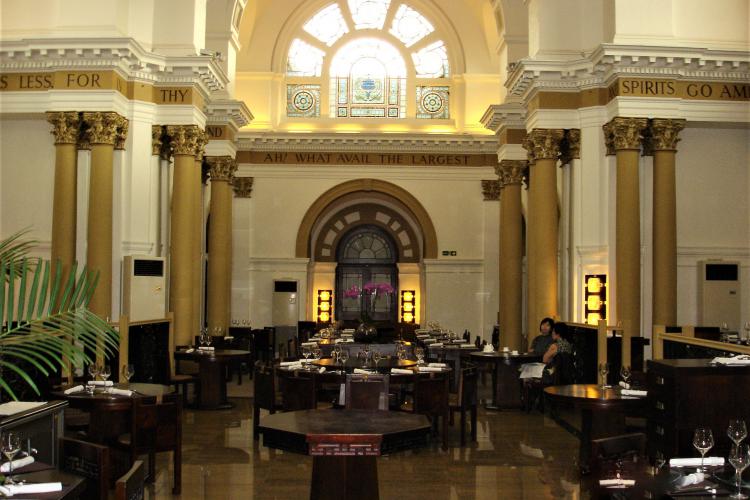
369,14
410,26
328,25
304,59
431,61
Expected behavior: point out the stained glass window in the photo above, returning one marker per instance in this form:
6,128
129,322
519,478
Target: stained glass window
304,59
410,26
303,101
432,102
369,14
431,61
328,25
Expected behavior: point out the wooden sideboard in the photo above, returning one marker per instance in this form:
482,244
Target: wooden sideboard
39,428
687,393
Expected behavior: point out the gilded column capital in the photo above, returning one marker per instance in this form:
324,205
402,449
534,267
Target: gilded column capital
511,171
121,132
183,139
243,186
157,140
65,126
664,133
491,190
624,133
101,127
200,145
222,168
544,143
571,146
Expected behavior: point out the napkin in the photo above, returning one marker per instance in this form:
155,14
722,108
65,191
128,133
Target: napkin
307,361
190,350
349,340
322,369
289,363
467,346
17,464
633,392
104,383
228,337
338,341
206,348
488,348
438,365
624,385
617,482
532,370
436,344
423,369
401,371
694,478
308,344
295,366
20,489
360,371
695,462
120,392
73,390
736,360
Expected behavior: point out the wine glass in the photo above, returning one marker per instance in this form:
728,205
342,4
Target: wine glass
317,352
105,372
203,336
306,352
419,352
10,444
739,457
93,371
603,371
703,440
625,374
336,353
376,357
737,431
127,372
747,332
344,356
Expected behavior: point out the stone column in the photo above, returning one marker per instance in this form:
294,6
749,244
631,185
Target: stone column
101,133
65,129
198,236
183,140
511,174
542,230
625,135
220,242
664,143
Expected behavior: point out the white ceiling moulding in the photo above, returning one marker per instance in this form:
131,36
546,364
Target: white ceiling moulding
501,116
125,55
226,111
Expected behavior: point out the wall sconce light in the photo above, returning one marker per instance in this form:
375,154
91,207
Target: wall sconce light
595,298
325,305
408,306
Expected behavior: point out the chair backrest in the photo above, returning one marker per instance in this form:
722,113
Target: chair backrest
89,460
156,425
264,384
431,393
612,449
298,391
565,372
367,392
263,344
109,420
131,485
467,385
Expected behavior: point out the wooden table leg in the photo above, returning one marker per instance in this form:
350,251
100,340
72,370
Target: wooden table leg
213,394
344,477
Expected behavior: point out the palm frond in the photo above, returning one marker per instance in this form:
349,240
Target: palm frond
14,249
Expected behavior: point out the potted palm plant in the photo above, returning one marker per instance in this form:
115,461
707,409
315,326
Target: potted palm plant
45,324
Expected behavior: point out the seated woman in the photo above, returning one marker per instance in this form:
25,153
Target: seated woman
558,346
541,342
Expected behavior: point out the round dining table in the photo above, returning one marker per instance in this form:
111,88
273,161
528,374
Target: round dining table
384,365
506,386
212,374
602,410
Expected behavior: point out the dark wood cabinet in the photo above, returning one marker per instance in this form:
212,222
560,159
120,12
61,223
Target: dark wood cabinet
39,428
686,393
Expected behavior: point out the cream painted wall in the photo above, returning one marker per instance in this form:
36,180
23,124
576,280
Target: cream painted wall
491,284
563,29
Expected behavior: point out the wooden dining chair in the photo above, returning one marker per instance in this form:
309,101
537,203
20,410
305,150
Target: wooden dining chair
132,484
298,391
465,400
89,460
431,399
181,381
264,392
155,427
366,392
627,447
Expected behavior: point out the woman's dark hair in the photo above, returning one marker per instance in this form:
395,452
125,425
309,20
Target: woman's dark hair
561,329
549,321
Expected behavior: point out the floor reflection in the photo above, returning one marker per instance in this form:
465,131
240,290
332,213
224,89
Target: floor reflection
518,455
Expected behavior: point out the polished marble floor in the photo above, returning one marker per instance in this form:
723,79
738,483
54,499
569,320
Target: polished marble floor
517,456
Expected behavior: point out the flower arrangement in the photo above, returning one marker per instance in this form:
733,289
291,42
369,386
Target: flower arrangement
370,289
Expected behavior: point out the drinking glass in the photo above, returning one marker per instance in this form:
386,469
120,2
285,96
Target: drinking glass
105,372
93,370
127,372
625,374
376,357
401,352
317,353
739,457
737,431
703,440
306,352
10,444
336,353
747,332
603,371
419,352
344,356
203,336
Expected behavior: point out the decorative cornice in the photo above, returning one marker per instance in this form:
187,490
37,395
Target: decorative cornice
511,171
183,139
624,133
427,143
225,111
664,133
243,186
222,168
507,115
544,144
101,127
491,190
121,132
65,126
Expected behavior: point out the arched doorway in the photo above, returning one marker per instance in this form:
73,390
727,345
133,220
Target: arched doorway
366,270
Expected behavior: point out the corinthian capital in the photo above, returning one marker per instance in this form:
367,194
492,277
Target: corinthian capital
491,190
222,167
544,143
572,145
511,171
157,142
624,133
102,127
200,145
243,186
121,133
65,126
664,133
183,139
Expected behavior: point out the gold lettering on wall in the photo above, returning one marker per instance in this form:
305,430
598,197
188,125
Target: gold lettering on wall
219,133
352,158
713,91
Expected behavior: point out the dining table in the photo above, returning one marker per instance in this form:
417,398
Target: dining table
73,485
212,374
506,386
602,410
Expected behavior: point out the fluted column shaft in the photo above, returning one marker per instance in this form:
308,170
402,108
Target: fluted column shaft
544,145
626,136
198,240
66,126
183,140
664,136
511,253
220,242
